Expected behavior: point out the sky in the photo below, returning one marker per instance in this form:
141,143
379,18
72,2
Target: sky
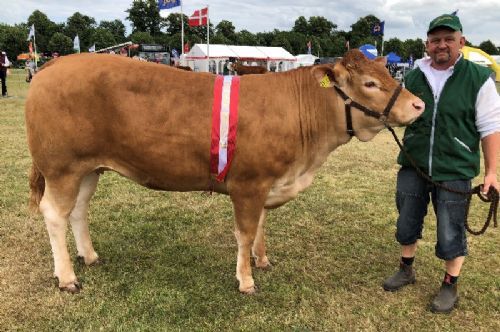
404,19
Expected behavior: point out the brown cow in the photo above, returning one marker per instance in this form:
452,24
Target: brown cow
241,69
152,124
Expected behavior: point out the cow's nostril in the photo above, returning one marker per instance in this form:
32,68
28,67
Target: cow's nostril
419,105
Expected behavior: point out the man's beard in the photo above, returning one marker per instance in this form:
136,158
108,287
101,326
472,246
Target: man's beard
442,58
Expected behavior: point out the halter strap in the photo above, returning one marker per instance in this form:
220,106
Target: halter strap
349,103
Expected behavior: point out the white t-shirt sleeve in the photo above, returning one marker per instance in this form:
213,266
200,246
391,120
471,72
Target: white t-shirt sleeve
488,109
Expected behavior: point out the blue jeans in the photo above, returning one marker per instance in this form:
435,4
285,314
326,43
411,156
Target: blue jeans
412,198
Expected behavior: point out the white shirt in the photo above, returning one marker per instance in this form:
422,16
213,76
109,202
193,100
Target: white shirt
487,102
7,62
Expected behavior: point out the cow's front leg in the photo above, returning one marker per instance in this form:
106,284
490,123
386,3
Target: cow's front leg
248,205
259,244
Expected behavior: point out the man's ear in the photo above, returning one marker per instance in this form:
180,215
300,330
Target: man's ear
327,76
382,60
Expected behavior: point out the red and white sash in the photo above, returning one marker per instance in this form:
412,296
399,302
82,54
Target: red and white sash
224,124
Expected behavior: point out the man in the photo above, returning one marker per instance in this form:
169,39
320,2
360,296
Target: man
462,108
4,64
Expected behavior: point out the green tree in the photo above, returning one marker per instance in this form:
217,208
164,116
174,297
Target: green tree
321,27
301,26
145,16
103,38
298,42
60,43
281,40
141,37
245,37
414,48
116,27
361,32
173,23
226,29
81,25
13,40
394,45
265,38
488,47
44,29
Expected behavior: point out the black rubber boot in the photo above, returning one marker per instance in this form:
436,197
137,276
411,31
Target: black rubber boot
446,299
405,276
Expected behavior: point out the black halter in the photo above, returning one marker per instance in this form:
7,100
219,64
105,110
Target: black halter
351,103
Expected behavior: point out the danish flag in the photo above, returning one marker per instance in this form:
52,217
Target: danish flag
199,17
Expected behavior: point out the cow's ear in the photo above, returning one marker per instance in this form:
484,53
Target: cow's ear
381,59
327,76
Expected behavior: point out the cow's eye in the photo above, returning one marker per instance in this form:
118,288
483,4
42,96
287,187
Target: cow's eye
370,84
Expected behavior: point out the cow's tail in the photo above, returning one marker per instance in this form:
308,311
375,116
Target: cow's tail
37,187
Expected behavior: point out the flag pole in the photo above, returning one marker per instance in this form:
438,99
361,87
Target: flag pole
34,43
208,38
182,30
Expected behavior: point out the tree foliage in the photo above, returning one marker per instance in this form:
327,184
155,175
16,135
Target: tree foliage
13,40
44,29
489,47
117,29
81,25
149,27
142,37
103,38
145,16
60,43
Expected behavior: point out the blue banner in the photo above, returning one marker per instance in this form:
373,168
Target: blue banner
378,29
167,4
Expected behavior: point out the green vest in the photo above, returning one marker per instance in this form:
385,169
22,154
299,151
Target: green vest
444,141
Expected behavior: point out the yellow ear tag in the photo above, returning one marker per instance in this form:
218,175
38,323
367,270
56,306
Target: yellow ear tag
325,82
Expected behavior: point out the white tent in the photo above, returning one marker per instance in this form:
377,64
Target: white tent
274,58
305,60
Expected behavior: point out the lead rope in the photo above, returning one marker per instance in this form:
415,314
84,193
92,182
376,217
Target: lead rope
491,197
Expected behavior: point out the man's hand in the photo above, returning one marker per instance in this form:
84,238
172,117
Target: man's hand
490,181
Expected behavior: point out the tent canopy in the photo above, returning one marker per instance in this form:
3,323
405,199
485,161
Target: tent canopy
305,59
369,51
393,58
199,51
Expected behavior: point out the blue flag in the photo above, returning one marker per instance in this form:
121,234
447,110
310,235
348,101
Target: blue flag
175,53
378,29
167,4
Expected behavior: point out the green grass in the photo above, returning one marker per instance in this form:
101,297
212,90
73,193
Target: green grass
170,257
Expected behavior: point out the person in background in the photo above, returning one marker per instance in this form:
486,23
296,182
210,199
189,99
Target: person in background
4,64
30,70
462,110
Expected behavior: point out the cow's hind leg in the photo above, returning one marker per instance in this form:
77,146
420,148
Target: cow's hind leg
79,222
247,209
259,244
56,205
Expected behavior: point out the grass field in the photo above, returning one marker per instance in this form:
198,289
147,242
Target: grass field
170,257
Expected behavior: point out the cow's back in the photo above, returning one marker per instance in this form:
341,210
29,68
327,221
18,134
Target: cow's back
141,119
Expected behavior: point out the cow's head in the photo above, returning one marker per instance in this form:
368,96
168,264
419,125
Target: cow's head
368,83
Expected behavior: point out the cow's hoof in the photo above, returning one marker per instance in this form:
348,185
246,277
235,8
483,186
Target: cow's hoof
72,288
264,266
248,290
95,262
